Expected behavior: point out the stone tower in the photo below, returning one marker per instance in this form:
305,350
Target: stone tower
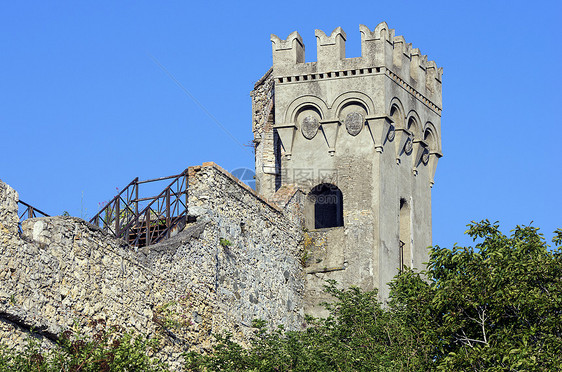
360,137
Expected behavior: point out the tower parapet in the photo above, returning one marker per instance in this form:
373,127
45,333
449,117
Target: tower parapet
381,52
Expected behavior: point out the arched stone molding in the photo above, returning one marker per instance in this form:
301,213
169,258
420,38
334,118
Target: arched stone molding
349,97
403,141
414,124
434,144
396,113
430,136
299,103
352,109
288,128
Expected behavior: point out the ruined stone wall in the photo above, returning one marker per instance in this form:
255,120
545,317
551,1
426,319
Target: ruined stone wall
265,140
10,333
64,273
258,271
238,261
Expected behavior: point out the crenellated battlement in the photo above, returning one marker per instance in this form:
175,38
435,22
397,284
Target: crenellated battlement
381,53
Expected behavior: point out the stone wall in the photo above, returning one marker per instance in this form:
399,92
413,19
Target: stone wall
10,332
266,141
238,261
258,268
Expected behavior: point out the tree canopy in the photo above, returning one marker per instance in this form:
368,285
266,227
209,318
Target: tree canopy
494,306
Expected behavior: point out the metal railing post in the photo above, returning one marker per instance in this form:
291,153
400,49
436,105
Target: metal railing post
117,213
168,208
147,221
136,198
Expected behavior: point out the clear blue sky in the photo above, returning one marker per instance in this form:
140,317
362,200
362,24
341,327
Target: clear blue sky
84,107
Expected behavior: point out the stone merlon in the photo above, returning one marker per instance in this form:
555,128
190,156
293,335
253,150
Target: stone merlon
380,50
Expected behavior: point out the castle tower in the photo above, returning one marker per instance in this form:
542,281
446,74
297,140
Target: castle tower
361,138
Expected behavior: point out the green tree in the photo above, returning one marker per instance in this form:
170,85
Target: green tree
105,351
495,306
357,336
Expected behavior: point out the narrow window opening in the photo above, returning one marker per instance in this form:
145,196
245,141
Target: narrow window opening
326,206
404,244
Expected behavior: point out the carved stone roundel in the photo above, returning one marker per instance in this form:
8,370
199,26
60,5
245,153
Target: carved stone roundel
425,157
408,146
391,134
354,123
309,127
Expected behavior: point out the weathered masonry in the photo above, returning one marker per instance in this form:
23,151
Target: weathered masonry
361,138
238,260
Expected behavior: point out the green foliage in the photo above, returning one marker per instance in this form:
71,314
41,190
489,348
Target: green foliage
358,336
498,305
104,352
494,307
225,242
174,314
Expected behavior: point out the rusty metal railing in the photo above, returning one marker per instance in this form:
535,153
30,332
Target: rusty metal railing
28,211
142,221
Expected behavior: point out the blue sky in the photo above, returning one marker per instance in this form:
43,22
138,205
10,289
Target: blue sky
85,108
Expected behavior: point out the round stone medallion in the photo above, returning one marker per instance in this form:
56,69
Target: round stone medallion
425,157
354,123
408,146
309,127
391,134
